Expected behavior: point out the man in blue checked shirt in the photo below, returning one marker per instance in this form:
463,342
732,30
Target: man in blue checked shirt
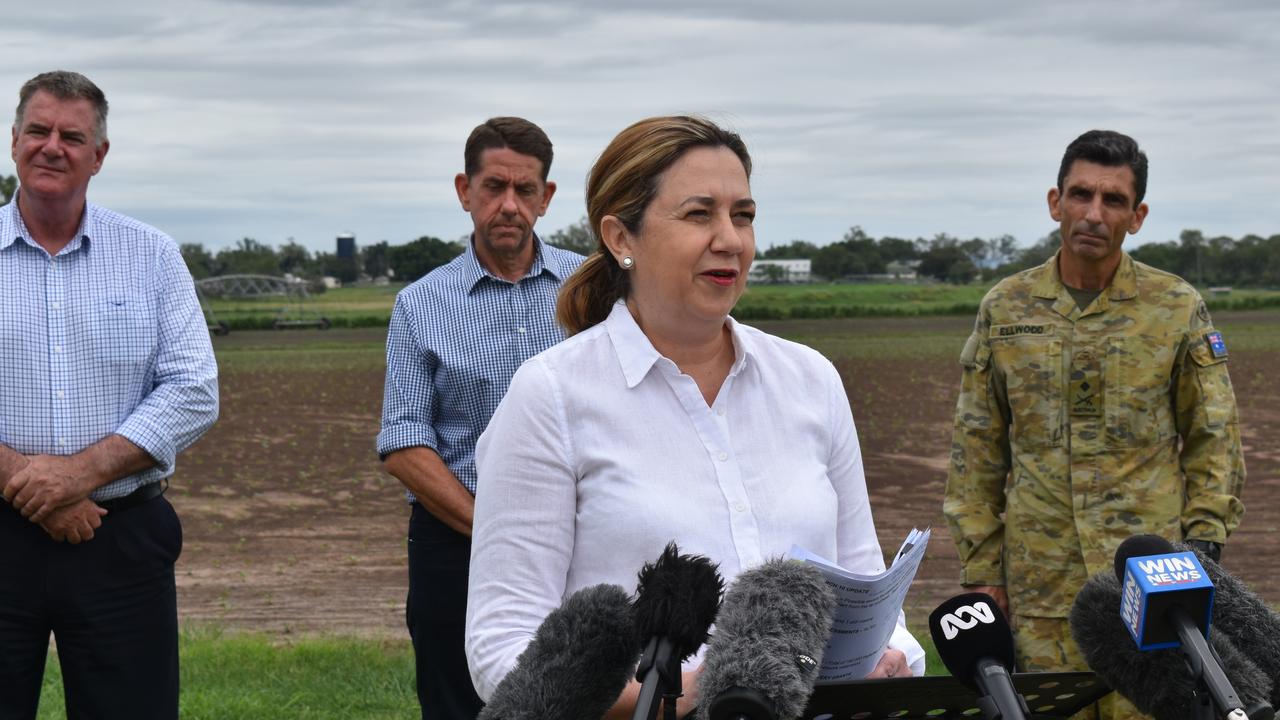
109,373
456,338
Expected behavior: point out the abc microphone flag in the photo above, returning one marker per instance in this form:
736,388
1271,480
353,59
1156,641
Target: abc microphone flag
975,643
1152,584
966,617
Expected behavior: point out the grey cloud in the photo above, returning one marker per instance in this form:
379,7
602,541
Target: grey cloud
292,118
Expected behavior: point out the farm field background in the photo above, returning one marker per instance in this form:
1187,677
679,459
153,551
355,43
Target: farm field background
371,306
294,535
292,527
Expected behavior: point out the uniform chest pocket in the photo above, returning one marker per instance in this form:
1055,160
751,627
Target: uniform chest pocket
124,332
1139,408
1032,368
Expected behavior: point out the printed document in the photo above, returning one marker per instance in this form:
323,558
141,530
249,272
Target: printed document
867,608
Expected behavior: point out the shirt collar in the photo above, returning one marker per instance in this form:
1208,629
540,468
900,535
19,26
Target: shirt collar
637,355
9,224
473,272
12,228
1124,285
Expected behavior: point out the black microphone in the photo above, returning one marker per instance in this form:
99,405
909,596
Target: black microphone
676,601
577,663
1165,601
764,655
1247,619
1158,682
975,643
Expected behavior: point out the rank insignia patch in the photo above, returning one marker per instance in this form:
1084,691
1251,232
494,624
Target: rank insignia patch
1216,344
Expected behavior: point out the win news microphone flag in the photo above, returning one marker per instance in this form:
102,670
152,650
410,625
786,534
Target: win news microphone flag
1167,601
1159,582
976,645
1159,683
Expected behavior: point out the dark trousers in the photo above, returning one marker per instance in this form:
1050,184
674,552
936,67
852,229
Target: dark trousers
111,606
436,613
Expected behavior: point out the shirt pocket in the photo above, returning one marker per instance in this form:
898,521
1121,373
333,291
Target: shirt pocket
124,332
1138,400
1032,369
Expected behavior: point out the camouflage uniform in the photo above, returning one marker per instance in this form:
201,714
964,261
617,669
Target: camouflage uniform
1076,429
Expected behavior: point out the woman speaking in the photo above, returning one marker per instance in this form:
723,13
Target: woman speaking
661,418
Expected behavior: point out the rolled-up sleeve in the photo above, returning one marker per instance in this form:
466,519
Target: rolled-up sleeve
409,396
183,401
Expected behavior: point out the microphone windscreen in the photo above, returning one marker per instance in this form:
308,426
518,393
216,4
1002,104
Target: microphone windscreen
1140,546
769,637
968,628
677,598
577,664
1246,619
1157,682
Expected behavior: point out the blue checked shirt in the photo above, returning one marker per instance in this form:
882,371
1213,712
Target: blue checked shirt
105,337
457,336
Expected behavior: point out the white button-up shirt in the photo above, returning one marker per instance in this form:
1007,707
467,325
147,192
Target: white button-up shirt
602,452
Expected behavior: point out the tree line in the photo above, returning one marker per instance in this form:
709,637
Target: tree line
406,262
1250,261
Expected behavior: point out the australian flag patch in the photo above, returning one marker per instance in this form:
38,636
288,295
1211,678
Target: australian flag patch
1216,344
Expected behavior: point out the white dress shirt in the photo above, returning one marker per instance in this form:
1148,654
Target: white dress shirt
602,452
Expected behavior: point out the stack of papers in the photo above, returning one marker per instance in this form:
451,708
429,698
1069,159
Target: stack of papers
867,608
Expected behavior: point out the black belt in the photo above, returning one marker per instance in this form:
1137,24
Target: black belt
150,491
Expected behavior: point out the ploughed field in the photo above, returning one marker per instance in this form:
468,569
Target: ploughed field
292,527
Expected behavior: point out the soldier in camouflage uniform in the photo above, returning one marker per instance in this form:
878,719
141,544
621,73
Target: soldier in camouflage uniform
1095,405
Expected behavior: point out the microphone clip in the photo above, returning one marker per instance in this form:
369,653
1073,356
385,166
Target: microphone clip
659,673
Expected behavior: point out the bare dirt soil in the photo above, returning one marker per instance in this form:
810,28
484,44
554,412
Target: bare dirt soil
291,527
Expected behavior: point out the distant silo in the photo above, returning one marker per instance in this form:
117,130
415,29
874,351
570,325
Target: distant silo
347,245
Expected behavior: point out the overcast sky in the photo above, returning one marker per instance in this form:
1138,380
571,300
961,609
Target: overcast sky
306,119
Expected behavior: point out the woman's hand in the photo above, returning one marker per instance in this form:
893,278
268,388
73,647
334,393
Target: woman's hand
892,664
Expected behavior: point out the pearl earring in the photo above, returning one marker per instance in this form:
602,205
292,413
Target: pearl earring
627,262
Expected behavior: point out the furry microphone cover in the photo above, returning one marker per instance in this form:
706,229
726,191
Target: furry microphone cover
577,664
772,630
1157,682
1244,617
677,597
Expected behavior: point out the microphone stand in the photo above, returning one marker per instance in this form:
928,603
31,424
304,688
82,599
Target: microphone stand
659,675
1216,698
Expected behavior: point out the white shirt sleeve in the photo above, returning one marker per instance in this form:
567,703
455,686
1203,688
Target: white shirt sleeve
518,570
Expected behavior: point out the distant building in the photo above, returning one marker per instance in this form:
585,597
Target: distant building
790,271
899,270
895,271
347,246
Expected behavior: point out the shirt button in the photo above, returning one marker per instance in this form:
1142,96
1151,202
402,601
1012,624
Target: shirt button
61,394
723,456
57,306
739,507
720,412
57,348
62,441
520,329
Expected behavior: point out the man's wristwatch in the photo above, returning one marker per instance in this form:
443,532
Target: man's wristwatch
1212,549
